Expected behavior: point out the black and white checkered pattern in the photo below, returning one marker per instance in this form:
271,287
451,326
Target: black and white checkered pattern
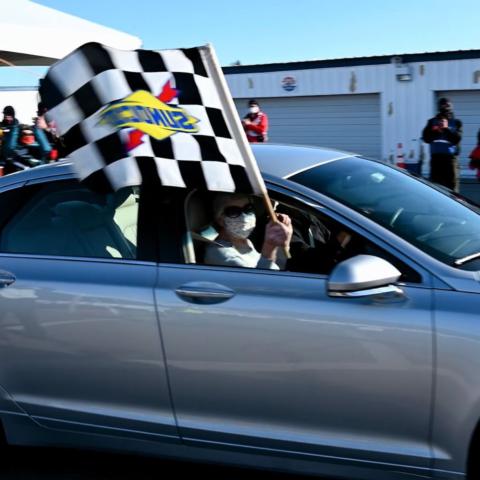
79,86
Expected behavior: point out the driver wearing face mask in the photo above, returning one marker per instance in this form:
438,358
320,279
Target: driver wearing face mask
255,123
235,220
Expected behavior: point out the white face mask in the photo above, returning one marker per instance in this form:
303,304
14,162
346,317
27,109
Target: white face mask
241,226
254,109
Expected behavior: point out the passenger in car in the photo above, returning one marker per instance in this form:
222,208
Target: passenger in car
235,219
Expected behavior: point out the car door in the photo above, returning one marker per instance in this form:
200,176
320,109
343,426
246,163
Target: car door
80,342
267,360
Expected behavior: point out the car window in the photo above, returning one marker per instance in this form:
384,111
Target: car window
445,227
318,244
65,219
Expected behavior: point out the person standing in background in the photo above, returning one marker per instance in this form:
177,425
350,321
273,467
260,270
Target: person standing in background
11,131
475,157
255,123
44,133
444,133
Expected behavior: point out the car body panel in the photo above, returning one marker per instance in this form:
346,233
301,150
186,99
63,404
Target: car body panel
283,366
277,376
81,342
277,159
457,408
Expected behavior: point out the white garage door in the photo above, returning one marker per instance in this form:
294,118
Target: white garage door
466,106
346,122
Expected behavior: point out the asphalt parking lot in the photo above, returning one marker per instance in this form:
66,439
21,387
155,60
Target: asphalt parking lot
470,188
57,464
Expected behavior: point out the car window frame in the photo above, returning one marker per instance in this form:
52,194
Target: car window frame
310,205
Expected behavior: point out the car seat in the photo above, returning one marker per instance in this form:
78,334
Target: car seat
124,206
199,221
89,230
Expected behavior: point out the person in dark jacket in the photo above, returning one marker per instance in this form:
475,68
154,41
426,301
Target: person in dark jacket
444,133
11,130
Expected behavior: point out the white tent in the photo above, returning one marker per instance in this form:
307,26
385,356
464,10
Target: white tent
32,34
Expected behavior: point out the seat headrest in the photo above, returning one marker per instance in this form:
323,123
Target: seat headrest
119,197
84,215
198,211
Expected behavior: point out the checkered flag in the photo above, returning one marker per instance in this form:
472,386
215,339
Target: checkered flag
159,117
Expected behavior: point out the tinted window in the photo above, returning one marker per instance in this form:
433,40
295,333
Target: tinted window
445,228
66,219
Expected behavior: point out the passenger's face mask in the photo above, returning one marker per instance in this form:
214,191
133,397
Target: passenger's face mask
254,109
241,226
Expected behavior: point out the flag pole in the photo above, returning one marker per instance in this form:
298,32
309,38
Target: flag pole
238,133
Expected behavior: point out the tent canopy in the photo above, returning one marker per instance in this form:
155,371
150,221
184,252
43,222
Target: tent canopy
32,34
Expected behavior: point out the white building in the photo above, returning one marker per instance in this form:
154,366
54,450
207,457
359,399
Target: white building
367,105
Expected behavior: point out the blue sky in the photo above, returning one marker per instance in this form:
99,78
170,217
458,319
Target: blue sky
287,30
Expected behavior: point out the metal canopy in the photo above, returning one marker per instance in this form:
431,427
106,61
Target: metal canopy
32,34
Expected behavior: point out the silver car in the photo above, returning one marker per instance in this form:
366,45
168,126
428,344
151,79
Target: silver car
360,359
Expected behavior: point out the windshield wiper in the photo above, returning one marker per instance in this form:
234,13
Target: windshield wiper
468,258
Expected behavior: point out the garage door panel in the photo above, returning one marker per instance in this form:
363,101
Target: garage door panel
348,122
324,116
339,111
363,129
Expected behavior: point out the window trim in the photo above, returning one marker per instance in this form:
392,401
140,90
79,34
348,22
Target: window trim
273,273
39,256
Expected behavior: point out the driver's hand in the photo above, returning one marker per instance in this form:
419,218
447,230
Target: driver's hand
343,238
279,233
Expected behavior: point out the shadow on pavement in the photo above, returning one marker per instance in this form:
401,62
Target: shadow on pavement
19,463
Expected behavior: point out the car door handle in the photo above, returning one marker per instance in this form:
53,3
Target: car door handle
6,278
204,292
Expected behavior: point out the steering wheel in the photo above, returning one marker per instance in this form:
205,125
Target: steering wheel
398,211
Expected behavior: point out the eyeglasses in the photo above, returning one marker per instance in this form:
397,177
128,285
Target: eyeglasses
234,211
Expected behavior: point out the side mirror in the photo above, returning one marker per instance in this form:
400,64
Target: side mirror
362,276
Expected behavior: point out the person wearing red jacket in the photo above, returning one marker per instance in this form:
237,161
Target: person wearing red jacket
255,123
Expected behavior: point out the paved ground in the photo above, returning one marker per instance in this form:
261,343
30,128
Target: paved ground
53,464
471,189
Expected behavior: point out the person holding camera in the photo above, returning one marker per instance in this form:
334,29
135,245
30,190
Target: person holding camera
444,133
255,123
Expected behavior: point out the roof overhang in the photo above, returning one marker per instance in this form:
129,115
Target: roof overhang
33,34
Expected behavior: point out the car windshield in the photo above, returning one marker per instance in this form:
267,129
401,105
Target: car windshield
443,226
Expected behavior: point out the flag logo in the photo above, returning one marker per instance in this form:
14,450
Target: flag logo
148,114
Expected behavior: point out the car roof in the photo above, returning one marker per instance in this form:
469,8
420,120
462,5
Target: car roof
285,160
63,167
280,160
